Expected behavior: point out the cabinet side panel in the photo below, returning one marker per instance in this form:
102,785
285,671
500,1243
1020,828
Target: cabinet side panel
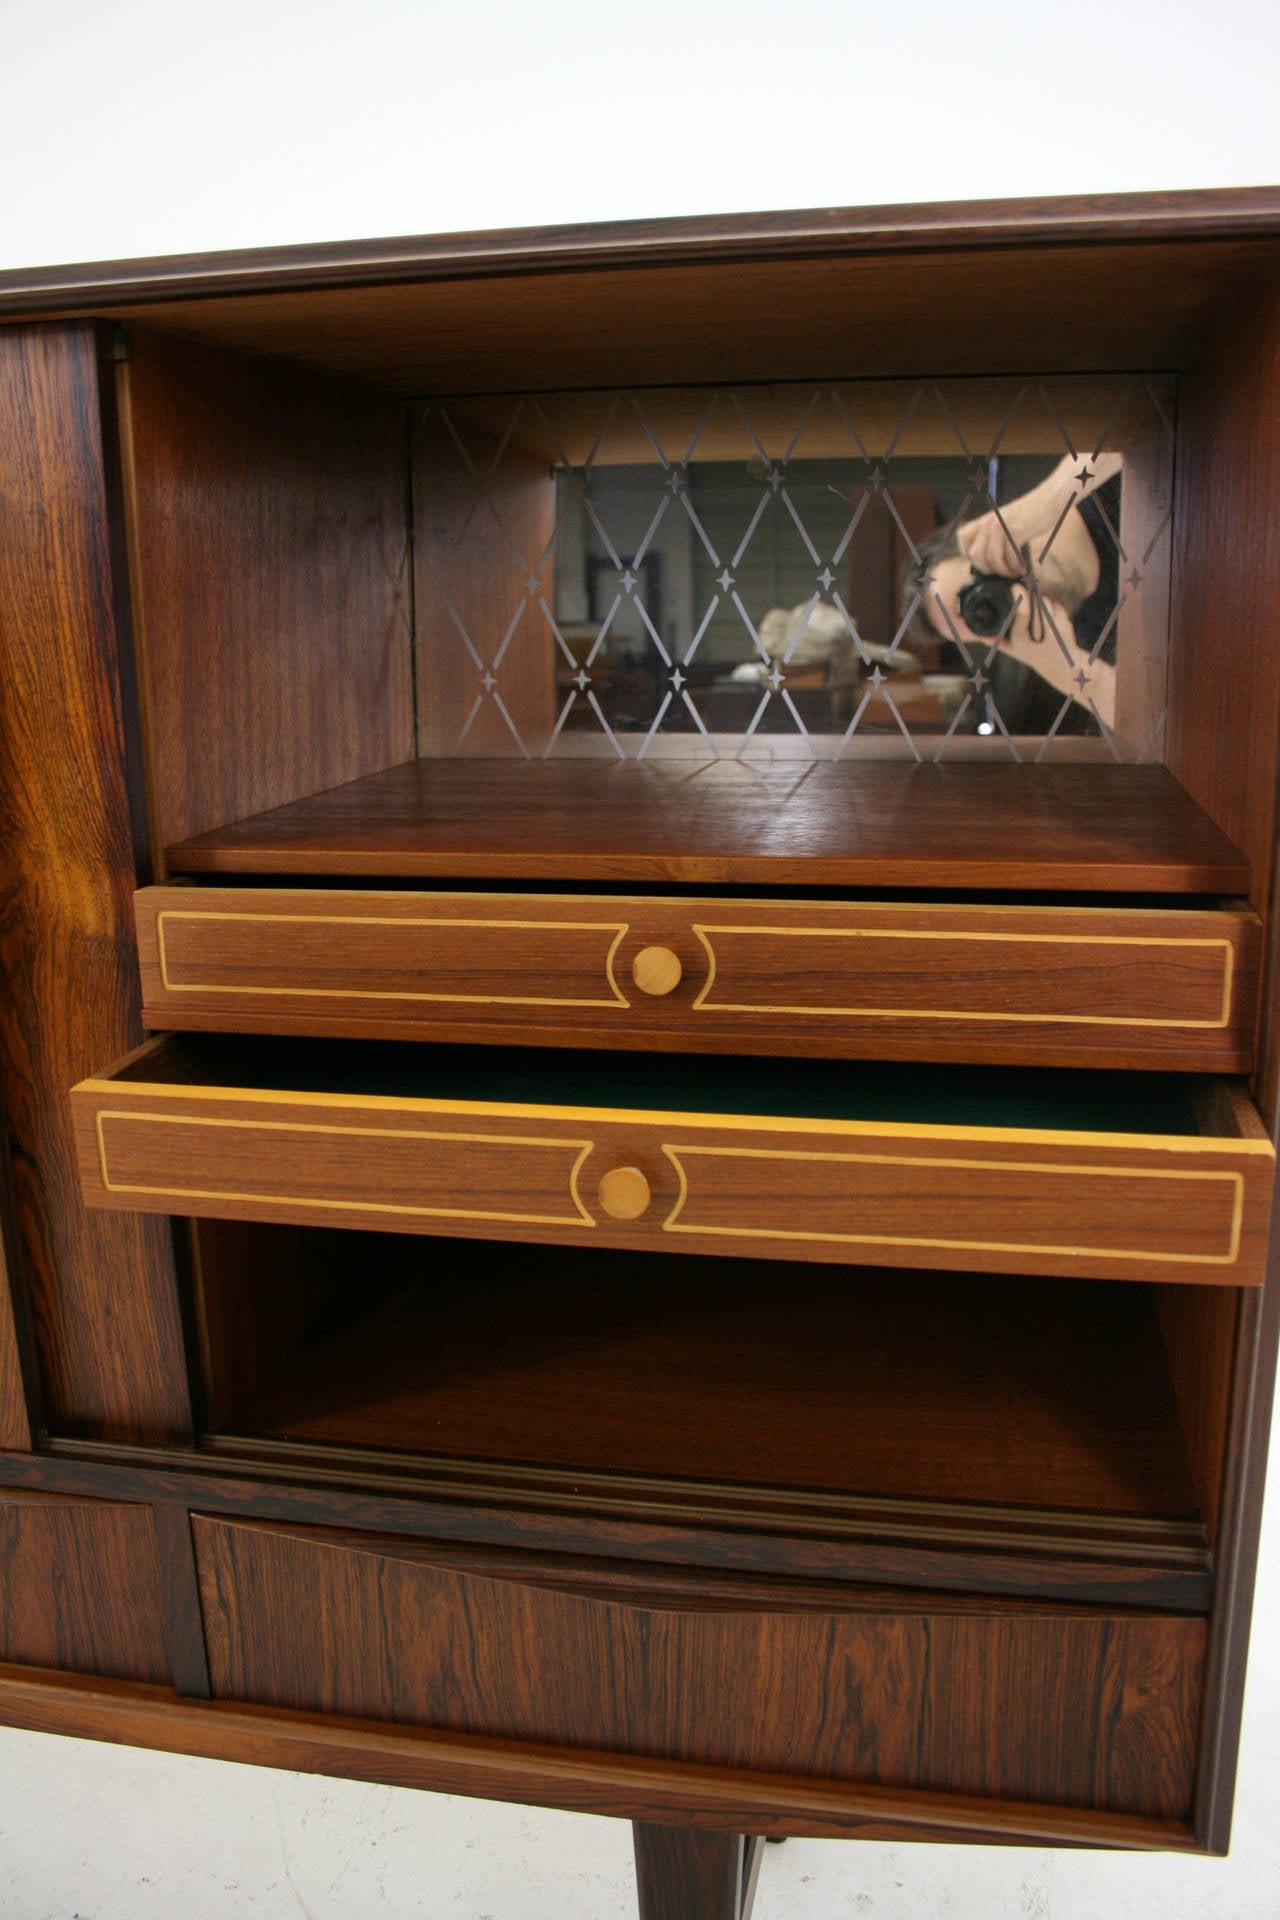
1224,669
101,1292
15,1427
1198,1326
81,1588
1247,1450
268,561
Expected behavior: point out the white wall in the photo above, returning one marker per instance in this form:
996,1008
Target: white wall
143,126
131,127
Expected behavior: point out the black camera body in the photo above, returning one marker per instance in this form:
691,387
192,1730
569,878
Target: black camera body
986,604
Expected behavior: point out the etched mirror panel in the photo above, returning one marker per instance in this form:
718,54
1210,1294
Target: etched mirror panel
935,570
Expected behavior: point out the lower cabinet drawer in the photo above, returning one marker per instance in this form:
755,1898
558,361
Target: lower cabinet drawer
1010,1700
1132,1177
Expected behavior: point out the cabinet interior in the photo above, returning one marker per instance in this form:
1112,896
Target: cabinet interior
310,521
623,1371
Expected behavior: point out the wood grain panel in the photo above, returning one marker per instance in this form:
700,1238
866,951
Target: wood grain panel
81,1587
1199,1326
736,318
1009,1199
101,1292
1130,1555
583,1780
1091,828
1247,1447
15,1415
1176,217
1068,986
1224,671
269,573
683,1870
933,1389
1071,1709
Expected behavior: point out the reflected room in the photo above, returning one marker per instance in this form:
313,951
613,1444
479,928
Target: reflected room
964,569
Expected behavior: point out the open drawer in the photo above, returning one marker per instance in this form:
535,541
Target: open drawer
1137,1177
1039,985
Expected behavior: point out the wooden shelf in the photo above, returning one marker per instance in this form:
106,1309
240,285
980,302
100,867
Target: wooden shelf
1087,827
904,1385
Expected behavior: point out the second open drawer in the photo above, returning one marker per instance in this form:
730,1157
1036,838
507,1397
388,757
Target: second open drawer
1152,1176
1123,986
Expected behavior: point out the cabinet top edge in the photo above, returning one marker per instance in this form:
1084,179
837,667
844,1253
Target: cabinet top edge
1229,213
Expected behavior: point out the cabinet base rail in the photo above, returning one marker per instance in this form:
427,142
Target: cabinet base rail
631,1787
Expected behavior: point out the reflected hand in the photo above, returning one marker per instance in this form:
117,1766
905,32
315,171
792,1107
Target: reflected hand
990,544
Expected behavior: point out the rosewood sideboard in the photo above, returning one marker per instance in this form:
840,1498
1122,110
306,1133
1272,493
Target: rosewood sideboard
638,1152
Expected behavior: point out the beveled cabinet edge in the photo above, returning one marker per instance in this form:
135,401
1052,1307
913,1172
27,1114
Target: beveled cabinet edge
1210,214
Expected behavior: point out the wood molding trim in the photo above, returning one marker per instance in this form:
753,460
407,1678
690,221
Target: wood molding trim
669,1792
1226,213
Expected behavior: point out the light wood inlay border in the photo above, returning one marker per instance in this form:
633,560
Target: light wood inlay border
619,930
1032,1170
704,1002
135,1116
512,1110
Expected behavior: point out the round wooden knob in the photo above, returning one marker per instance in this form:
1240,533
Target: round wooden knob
657,970
624,1193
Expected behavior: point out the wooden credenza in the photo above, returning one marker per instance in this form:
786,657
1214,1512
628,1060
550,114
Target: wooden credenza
729,1288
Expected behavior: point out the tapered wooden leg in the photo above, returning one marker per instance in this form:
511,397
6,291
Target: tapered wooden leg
684,1873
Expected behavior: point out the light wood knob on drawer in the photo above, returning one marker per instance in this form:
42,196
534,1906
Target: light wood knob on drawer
624,1193
657,970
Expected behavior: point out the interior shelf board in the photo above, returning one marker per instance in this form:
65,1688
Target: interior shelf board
1085,827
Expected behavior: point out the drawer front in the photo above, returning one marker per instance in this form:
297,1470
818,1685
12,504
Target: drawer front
1006,1199
1058,985
1057,1705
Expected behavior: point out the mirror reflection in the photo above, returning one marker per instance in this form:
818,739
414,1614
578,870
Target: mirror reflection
961,567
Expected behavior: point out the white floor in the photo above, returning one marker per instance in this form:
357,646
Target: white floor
90,1832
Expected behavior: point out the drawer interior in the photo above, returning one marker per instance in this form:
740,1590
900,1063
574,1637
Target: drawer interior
908,1094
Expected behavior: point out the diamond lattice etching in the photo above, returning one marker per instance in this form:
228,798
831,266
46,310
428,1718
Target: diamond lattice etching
960,569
